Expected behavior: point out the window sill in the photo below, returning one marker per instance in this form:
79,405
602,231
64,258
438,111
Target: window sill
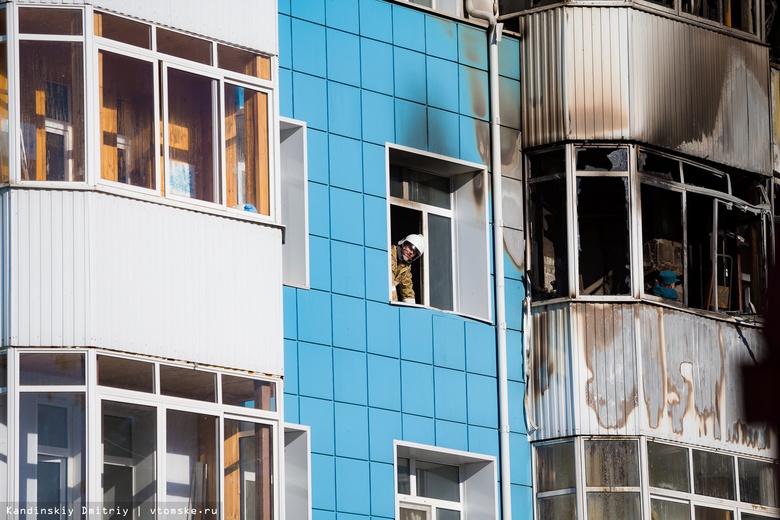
452,313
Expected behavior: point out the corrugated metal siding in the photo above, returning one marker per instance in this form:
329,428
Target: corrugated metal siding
249,23
90,269
4,266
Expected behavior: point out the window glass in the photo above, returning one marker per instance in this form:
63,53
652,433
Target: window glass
549,264
555,466
710,513
4,146
123,30
417,513
560,507
439,481
667,466
713,475
602,210
662,239
758,482
440,261
248,393
248,469
51,369
3,30
191,144
129,374
669,510
243,62
659,166
602,159
611,463
246,148
129,434
188,383
191,461
4,422
52,110
447,514
127,120
50,21
614,506
184,46
402,469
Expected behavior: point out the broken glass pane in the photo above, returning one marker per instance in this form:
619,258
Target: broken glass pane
662,235
549,257
659,166
602,159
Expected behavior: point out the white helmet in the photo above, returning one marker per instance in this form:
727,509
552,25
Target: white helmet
417,241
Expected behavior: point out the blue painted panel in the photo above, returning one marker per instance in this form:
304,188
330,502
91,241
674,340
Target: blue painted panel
511,269
419,429
377,272
315,370
285,42
514,355
472,46
516,408
482,400
376,59
452,435
481,349
411,123
450,386
310,100
509,106
509,57
319,270
408,28
442,84
384,427
375,216
343,57
473,95
347,266
291,410
443,132
376,20
343,14
349,376
319,514
378,118
349,323
308,47
346,216
410,83
382,490
515,293
317,147
449,342
483,440
290,366
289,299
313,10
374,168
323,495
384,382
344,113
346,161
441,38
474,140
382,325
520,455
351,431
284,6
522,502
416,335
416,388
353,494
285,93
318,413
314,311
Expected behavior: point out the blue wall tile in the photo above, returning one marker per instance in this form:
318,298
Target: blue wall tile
285,44
452,435
449,345
509,106
419,429
384,382
375,169
343,113
473,92
343,57
472,46
347,267
376,61
308,47
319,266
482,400
319,210
349,376
450,387
441,38
291,366
349,322
514,353
416,335
353,494
442,84
346,159
516,411
310,100
323,495
411,123
382,327
346,216
474,140
313,10
443,132
320,514
378,118
408,28
290,301
384,427
514,304
416,388
481,349
409,75
522,502
318,413
317,150
520,454
376,222
351,431
284,6
484,440
315,370
377,276
376,20
509,58
285,93
314,312
382,490
343,14
291,410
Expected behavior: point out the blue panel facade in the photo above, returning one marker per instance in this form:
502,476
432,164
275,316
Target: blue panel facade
360,371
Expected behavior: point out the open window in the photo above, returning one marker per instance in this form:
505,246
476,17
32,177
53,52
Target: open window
295,212
445,201
297,471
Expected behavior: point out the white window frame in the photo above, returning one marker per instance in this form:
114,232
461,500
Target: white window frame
294,188
441,6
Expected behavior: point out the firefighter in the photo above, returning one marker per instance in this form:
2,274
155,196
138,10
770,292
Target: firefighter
402,255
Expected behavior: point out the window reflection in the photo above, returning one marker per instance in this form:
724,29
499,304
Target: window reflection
191,462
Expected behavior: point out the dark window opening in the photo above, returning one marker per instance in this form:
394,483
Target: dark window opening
659,166
699,233
662,237
602,159
549,265
404,222
702,178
